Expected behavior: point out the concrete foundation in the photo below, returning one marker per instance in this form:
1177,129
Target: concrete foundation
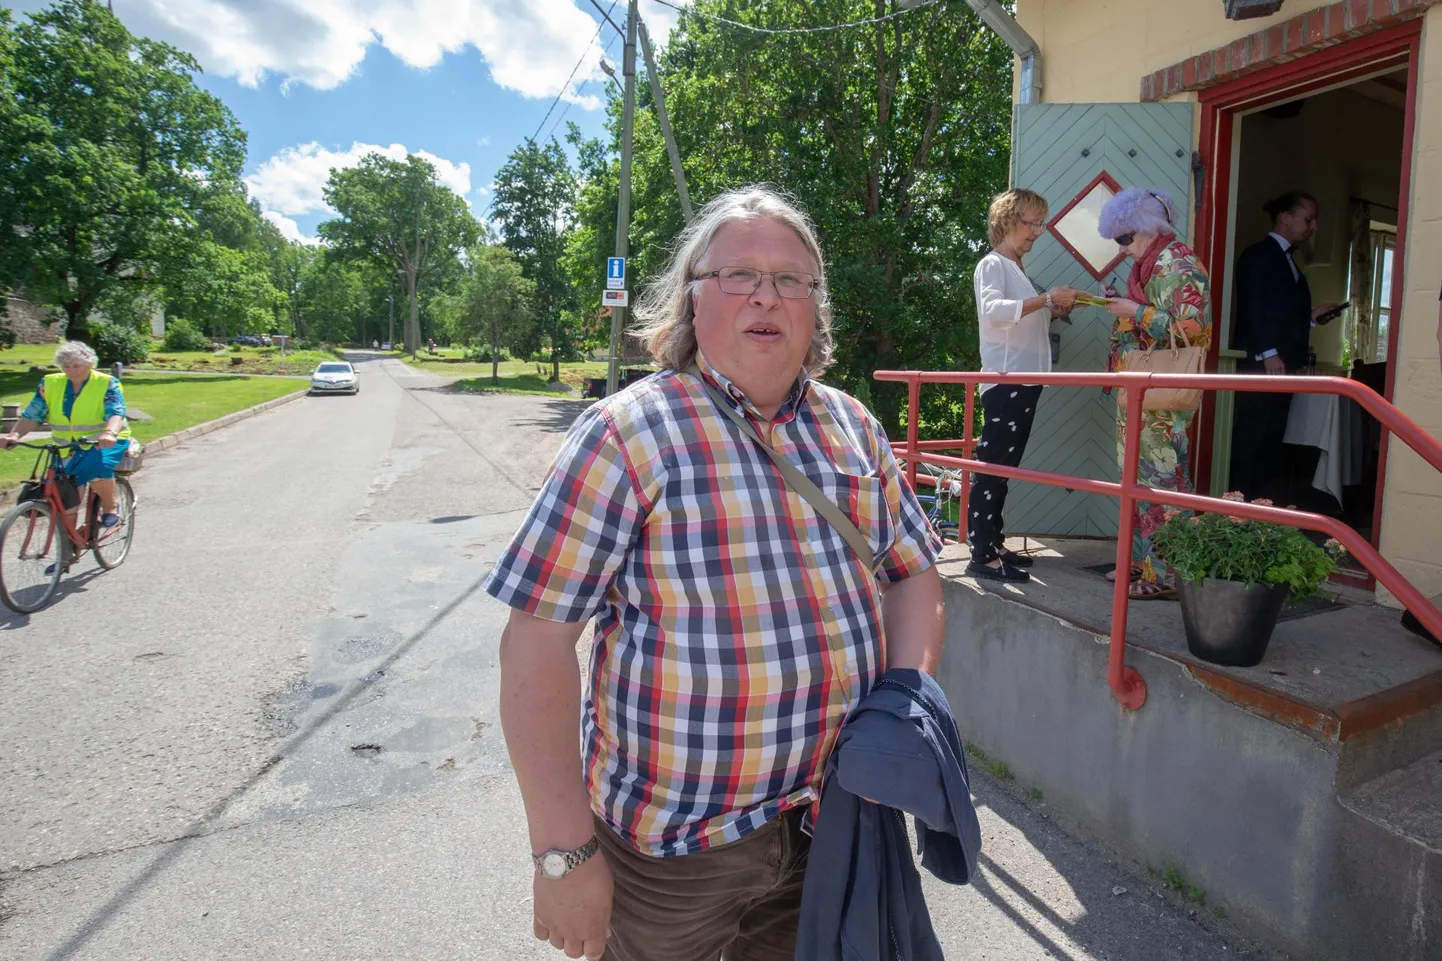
1301,796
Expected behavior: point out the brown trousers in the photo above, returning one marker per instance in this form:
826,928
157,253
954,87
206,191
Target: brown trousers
739,901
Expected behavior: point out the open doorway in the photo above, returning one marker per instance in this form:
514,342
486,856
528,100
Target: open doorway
1344,144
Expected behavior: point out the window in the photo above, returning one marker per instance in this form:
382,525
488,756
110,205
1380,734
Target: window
1369,291
1382,249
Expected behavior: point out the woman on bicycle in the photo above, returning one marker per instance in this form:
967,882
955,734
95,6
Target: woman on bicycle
77,403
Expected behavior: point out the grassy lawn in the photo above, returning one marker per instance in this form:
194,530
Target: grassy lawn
517,376
175,402
244,360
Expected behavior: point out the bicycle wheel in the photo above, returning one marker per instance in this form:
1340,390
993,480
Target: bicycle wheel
112,545
31,540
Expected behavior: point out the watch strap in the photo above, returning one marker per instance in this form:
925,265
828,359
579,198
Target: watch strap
574,857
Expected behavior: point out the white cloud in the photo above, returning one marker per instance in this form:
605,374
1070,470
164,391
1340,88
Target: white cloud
530,45
293,181
289,229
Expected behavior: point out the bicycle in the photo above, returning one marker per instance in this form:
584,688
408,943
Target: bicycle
947,490
35,550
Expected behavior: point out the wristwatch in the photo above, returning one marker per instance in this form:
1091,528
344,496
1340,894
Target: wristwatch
556,864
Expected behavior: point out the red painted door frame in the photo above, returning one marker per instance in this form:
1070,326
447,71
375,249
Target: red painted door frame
1220,106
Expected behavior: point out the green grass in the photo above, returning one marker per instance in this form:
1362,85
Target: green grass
997,768
510,384
175,401
252,360
513,373
1036,796
1174,880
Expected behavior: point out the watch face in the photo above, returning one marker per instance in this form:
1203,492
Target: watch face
553,865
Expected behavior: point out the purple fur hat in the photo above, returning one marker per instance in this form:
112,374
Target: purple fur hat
1146,210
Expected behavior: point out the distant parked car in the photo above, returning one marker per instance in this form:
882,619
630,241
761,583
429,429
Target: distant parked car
245,340
386,346
334,377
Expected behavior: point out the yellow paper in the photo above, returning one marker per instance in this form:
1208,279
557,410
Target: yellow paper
1091,301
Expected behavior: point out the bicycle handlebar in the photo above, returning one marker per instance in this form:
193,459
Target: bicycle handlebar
69,445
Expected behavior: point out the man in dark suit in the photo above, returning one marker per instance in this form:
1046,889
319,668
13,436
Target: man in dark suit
1274,320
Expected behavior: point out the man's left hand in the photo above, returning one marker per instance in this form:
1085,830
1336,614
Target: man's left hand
106,440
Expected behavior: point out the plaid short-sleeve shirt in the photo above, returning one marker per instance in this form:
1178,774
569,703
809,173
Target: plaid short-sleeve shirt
735,627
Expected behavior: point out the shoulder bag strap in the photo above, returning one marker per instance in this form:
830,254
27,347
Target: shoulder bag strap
795,479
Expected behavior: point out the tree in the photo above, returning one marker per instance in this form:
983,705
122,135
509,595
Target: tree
333,296
396,216
493,304
894,136
223,290
533,200
108,153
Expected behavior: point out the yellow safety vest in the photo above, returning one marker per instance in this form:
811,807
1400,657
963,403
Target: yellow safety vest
87,414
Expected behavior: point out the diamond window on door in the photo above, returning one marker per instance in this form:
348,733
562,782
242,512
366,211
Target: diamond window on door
1075,227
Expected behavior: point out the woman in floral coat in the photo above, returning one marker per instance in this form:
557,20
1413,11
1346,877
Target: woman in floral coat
1167,291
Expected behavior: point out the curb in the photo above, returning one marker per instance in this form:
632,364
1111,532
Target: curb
190,433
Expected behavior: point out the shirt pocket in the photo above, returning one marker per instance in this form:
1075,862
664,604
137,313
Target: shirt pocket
862,498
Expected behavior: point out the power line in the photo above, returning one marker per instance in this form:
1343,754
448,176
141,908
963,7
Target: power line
821,29
606,15
561,92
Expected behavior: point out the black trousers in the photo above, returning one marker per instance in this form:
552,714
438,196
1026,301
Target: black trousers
1008,411
1258,424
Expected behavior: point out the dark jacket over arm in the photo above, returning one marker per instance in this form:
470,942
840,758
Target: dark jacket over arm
862,897
1274,309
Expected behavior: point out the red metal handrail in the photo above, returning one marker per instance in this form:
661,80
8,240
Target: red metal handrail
1126,684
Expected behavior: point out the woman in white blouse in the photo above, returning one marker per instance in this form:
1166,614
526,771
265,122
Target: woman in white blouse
1014,323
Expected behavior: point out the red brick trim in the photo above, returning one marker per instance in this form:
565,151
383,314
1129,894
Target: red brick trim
1307,32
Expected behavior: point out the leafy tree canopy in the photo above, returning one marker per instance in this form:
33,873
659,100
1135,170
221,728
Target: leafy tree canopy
109,153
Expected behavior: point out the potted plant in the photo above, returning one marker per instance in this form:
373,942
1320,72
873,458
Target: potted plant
1233,575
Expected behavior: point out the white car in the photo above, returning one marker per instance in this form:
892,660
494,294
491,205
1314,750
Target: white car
334,377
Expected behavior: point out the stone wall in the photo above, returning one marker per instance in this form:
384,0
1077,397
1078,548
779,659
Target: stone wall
32,323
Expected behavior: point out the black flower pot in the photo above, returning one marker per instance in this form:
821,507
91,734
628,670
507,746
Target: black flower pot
1228,622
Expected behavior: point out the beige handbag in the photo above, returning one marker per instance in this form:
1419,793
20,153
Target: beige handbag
1166,360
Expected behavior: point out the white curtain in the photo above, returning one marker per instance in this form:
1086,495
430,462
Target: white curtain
1361,333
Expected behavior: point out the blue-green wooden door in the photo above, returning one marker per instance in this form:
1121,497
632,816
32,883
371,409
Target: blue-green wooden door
1059,150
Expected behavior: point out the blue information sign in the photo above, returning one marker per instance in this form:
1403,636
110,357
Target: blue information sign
615,273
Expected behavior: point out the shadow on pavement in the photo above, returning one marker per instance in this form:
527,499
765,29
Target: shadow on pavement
102,916
555,416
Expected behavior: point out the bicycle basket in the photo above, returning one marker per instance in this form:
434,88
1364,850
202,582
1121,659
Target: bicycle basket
31,490
134,457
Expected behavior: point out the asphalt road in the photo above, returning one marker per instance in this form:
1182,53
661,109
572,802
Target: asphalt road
273,733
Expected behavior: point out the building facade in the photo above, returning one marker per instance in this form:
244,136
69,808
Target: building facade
1343,100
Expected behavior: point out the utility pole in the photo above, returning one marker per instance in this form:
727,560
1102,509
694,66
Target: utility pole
392,338
660,98
623,207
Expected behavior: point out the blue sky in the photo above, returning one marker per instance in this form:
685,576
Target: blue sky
318,83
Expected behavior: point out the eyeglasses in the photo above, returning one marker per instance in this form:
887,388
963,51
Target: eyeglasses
1035,224
1125,240
791,284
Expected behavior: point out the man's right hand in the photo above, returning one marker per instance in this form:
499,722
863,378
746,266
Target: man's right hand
9,440
1274,365
574,913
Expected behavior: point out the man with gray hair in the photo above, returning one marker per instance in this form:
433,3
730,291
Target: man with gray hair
737,620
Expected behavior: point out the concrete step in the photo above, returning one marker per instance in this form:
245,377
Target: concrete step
1406,803
1388,864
